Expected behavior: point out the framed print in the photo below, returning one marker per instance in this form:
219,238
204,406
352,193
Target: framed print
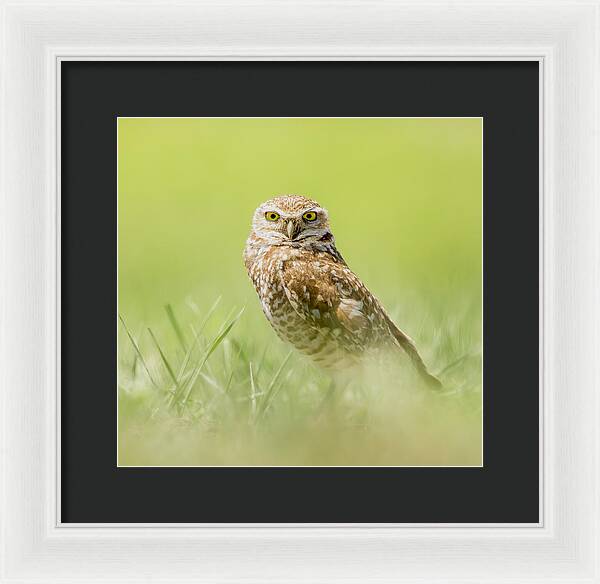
300,307
345,399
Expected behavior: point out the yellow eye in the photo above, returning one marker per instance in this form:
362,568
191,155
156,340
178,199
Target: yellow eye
309,216
271,216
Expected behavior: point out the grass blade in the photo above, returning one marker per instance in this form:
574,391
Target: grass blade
226,390
196,342
188,355
270,392
164,358
138,352
241,354
175,324
262,359
210,312
253,393
212,347
134,365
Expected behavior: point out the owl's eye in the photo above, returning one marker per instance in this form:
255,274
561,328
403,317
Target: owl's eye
309,216
271,216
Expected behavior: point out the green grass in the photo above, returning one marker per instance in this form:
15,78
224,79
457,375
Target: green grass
207,393
203,379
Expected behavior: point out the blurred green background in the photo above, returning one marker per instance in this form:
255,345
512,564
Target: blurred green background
405,203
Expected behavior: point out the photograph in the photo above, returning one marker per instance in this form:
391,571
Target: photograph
301,295
299,292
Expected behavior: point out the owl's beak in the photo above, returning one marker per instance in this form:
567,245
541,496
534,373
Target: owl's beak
292,229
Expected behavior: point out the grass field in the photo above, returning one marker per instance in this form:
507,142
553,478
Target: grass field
203,380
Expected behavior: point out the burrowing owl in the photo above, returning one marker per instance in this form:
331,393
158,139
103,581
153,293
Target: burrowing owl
309,294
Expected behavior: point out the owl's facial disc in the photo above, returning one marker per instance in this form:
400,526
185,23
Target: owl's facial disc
286,221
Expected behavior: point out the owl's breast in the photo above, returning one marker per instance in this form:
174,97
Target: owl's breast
280,305
266,274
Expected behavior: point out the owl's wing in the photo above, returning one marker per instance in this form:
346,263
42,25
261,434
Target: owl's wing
410,349
326,294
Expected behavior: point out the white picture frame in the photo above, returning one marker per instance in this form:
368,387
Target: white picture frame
563,36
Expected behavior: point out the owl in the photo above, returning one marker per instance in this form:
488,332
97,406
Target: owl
308,293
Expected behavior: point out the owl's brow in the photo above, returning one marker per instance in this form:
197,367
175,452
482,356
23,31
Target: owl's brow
287,213
270,208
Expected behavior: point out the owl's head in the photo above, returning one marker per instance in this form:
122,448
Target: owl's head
291,219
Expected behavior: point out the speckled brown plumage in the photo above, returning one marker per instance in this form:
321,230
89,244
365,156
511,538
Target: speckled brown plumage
309,294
